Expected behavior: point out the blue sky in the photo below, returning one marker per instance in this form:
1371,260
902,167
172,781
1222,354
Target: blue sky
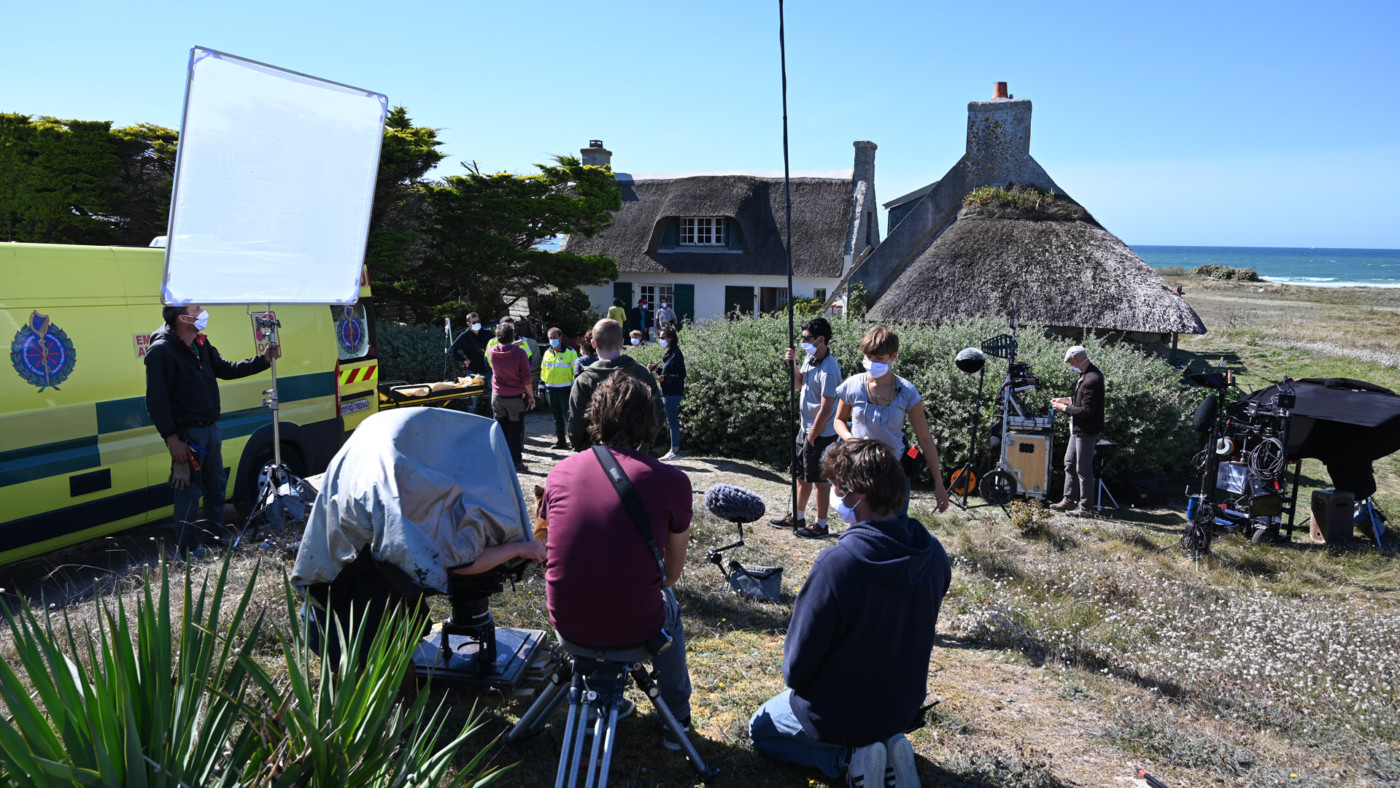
1190,123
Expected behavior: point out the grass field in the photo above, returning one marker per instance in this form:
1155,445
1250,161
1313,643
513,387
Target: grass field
1070,652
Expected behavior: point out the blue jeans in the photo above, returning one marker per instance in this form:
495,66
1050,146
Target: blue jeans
673,418
210,482
776,733
672,674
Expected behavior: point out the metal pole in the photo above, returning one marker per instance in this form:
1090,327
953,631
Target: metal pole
787,247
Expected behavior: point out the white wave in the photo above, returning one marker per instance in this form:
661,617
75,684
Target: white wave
1320,281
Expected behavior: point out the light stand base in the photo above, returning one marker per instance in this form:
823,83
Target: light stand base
283,500
521,655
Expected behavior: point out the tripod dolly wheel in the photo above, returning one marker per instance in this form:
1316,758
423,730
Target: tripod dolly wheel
963,482
997,487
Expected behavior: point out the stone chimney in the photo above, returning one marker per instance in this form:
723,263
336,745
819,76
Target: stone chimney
866,230
999,140
595,154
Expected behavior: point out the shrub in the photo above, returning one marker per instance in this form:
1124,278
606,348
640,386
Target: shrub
570,310
737,392
1215,271
1247,275
413,353
1171,270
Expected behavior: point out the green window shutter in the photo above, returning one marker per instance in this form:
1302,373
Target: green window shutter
685,302
623,290
671,236
733,239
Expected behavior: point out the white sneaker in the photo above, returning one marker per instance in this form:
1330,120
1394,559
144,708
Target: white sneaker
867,766
900,770
671,455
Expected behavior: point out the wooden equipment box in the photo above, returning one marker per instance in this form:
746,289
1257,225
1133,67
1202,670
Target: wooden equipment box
1332,516
1028,459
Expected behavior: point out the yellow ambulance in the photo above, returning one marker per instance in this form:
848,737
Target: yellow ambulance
79,457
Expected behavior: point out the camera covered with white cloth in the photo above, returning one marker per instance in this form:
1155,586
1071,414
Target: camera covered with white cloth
413,495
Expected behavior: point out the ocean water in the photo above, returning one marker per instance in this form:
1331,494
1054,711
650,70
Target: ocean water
1313,267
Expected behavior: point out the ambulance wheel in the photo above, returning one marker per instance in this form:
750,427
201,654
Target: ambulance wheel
248,490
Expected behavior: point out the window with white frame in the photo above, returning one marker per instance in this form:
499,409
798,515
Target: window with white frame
655,294
819,293
702,231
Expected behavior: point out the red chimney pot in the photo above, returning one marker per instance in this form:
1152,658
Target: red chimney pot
1000,90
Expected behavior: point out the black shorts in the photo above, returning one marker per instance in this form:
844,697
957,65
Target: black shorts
807,459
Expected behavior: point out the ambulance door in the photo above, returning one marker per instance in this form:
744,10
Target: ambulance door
357,369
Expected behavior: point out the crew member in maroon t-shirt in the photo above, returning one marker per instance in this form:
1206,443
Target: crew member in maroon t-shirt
604,588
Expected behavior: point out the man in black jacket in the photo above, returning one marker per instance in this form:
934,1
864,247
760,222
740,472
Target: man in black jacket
469,348
857,651
182,398
1085,410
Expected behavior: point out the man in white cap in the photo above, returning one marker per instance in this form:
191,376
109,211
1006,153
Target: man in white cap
1085,411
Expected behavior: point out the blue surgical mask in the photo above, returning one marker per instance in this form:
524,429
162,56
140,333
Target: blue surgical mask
636,341
664,343
554,343
476,326
875,369
201,321
810,349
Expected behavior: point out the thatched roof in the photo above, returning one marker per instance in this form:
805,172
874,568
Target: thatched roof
1057,264
821,222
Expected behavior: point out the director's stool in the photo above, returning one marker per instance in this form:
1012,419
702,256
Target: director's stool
595,680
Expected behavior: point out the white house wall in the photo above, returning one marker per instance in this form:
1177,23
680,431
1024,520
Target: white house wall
709,290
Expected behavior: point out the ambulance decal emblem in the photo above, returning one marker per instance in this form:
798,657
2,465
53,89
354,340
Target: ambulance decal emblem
42,353
350,333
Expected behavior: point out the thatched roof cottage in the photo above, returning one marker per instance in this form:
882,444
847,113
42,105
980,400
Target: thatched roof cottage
712,243
948,257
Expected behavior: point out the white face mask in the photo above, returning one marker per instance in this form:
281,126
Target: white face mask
663,304
636,341
201,320
876,370
810,349
846,513
664,343
476,326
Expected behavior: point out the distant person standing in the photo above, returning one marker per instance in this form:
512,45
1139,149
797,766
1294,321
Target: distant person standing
182,398
511,396
587,354
607,338
557,375
469,348
643,320
618,312
670,373
666,316
1085,411
817,379
518,341
876,403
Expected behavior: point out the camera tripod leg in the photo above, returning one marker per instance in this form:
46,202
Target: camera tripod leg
543,708
1103,490
574,731
647,685
602,747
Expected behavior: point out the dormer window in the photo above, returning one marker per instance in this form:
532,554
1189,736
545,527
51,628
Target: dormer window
702,231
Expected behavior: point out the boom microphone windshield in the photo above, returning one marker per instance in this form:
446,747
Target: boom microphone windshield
734,504
970,360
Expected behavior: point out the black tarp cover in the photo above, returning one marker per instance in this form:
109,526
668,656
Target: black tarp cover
1347,424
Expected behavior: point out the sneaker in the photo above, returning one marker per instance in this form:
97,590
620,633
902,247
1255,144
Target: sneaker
866,768
812,531
560,444
671,455
900,771
623,711
669,740
1063,506
787,522
1080,512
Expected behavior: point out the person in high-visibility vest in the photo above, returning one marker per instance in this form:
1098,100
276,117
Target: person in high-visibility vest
519,342
557,375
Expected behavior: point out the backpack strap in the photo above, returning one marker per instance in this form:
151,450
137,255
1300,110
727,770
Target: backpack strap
631,502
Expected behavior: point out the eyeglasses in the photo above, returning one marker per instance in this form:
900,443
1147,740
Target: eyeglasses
806,337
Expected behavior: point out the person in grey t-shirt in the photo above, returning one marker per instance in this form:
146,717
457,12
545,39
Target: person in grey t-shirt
876,403
817,380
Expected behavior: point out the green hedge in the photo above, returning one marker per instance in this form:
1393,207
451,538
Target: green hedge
413,353
737,399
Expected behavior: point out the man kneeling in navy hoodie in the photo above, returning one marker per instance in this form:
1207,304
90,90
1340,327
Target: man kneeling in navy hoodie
857,652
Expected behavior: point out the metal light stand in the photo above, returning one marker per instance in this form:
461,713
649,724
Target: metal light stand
283,498
966,476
